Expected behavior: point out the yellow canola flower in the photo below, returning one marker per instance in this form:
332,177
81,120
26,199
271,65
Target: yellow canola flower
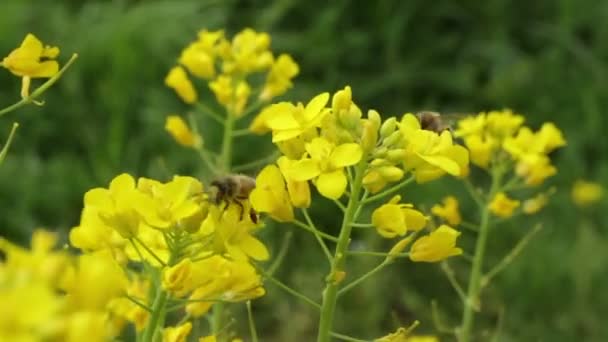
115,205
178,80
438,245
32,59
199,56
536,203
178,333
155,242
87,326
248,52
325,164
393,219
289,121
430,155
233,230
210,338
279,78
170,203
585,193
299,191
217,278
448,211
179,130
95,280
94,234
503,206
270,195
480,150
234,98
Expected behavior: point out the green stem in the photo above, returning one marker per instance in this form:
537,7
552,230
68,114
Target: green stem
314,231
217,320
226,157
209,112
390,190
46,85
330,294
472,299
363,277
289,289
317,235
8,142
155,316
346,337
252,330
378,254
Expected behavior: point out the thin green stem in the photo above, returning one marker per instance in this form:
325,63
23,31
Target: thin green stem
317,235
290,290
358,211
330,294
449,273
472,298
252,330
474,193
254,106
155,317
217,320
362,225
390,190
278,259
210,113
378,254
508,259
314,231
256,163
470,226
364,277
138,302
151,252
346,337
340,205
8,142
226,156
241,132
46,85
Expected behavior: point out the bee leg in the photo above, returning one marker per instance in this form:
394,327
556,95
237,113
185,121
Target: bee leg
242,209
253,215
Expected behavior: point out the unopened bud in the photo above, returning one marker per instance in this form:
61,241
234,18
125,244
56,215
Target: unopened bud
369,136
388,127
396,155
391,173
393,139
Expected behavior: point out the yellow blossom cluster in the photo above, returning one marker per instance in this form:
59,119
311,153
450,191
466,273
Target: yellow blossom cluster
498,135
51,295
324,144
201,250
231,68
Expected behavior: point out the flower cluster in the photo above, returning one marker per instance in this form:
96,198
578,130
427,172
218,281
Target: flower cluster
231,68
334,148
50,295
201,250
497,136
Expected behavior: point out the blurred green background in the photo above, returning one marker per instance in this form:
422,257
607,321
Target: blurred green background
547,59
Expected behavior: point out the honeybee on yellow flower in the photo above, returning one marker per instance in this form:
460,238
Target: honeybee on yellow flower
233,188
434,121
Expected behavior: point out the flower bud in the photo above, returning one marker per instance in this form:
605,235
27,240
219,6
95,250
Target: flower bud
388,127
391,173
396,155
369,136
393,139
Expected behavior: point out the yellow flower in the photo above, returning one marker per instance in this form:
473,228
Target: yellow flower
176,279
394,219
179,81
438,245
448,211
503,206
125,309
325,164
248,53
234,98
180,131
32,59
155,241
95,281
86,326
292,121
536,203
535,168
94,234
585,193
270,195
199,56
431,155
115,205
178,333
279,77
480,150
210,338
299,192
217,278
169,204
233,232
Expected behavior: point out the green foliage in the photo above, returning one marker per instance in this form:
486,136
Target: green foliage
545,60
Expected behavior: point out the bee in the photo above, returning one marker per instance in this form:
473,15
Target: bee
233,188
433,121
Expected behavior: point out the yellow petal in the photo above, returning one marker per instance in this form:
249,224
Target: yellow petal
303,170
313,108
254,248
332,184
346,155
